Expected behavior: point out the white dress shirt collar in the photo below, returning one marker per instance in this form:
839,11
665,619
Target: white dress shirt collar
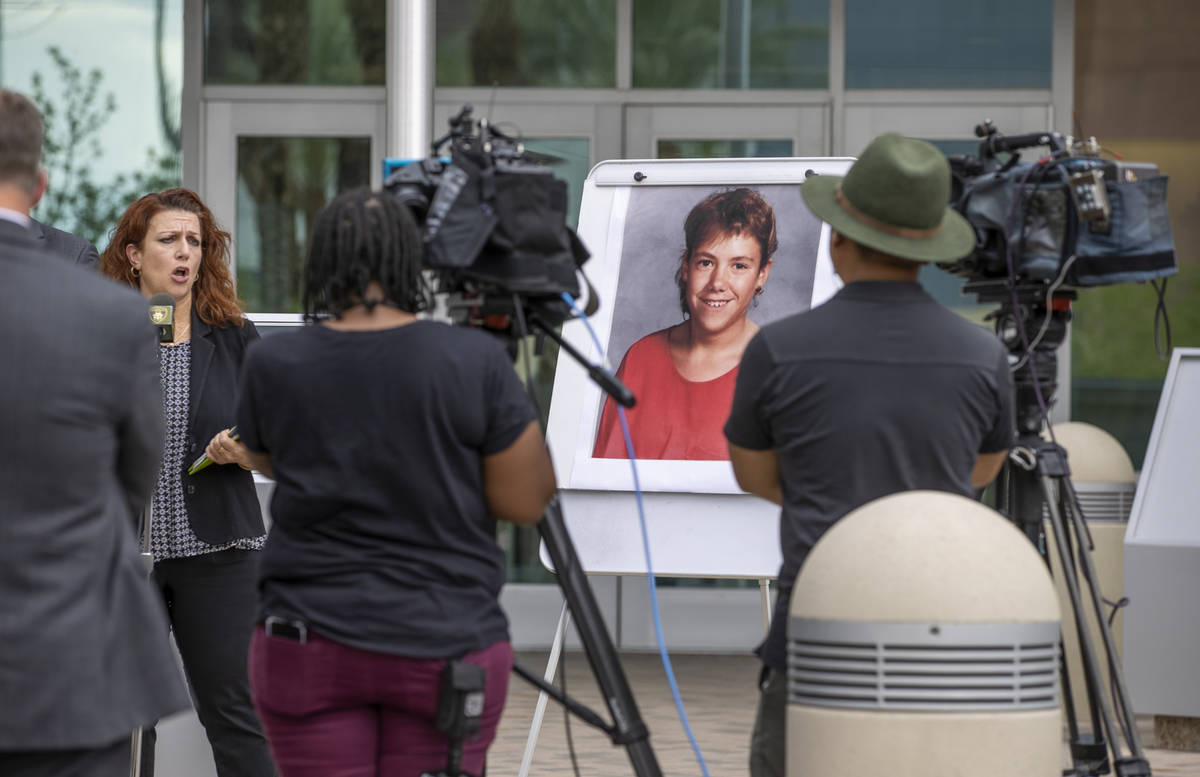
15,216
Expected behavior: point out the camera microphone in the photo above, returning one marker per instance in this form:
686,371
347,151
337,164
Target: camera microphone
162,315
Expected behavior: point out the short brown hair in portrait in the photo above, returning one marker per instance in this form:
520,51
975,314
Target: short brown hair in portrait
732,212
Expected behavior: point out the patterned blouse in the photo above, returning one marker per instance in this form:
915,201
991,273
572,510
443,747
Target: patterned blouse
171,535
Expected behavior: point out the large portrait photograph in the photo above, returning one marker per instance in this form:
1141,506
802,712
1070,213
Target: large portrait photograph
701,270
691,274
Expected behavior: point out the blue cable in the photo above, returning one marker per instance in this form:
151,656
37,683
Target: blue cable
637,490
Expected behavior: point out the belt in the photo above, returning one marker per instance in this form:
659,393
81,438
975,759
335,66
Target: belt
296,631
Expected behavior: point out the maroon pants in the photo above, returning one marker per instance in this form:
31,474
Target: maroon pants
330,710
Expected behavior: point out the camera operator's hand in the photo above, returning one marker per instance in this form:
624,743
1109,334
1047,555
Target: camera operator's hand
223,449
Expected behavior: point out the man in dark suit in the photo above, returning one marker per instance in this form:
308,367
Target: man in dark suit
70,247
84,656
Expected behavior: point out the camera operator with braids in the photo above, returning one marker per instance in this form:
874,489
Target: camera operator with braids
395,443
879,390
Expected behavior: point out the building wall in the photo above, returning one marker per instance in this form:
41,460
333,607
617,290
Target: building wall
1135,69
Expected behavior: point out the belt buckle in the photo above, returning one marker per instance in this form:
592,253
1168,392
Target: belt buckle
276,626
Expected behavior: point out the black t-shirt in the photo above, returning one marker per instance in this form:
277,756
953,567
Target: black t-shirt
381,537
879,390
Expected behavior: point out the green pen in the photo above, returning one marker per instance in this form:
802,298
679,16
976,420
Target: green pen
204,460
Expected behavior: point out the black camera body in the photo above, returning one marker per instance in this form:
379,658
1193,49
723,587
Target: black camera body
1070,219
494,225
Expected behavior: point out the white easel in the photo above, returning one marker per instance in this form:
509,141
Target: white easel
747,550
699,522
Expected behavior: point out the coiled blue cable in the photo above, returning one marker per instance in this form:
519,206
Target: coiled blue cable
637,489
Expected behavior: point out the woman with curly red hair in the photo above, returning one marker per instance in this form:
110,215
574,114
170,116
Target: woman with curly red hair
207,528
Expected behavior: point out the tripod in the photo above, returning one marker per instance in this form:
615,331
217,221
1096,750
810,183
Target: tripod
1037,477
627,728
520,315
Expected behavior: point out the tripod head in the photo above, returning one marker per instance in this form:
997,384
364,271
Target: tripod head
1031,322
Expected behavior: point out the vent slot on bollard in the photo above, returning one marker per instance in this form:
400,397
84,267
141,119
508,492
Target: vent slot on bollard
965,667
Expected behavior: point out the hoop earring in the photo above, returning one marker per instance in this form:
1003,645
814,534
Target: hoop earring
758,292
136,273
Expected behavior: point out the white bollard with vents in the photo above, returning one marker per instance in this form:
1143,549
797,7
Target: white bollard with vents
923,640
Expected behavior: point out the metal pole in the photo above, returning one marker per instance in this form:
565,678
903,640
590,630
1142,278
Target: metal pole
410,66
137,740
764,588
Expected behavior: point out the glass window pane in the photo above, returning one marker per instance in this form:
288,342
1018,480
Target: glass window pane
731,44
111,112
1116,374
722,149
339,42
543,43
948,44
282,183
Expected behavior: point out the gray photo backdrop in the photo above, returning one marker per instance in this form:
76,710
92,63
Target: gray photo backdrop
647,298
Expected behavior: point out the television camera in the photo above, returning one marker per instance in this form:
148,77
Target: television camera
494,224
1046,229
1071,216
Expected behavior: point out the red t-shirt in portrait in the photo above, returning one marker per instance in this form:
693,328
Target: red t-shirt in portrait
674,418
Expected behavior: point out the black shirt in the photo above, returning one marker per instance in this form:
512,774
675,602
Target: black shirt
879,390
381,536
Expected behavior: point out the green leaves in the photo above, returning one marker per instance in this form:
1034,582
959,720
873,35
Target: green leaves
76,201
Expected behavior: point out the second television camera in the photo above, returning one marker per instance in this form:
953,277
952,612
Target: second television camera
1069,218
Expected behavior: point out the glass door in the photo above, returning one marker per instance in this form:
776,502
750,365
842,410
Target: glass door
268,168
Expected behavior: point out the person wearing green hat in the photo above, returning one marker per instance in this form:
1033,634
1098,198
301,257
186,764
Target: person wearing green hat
879,390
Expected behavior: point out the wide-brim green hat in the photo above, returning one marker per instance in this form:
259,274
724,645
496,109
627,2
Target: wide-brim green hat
894,199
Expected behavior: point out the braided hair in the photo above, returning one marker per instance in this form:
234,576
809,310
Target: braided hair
359,237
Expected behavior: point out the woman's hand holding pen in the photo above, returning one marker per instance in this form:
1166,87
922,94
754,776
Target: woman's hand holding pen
224,449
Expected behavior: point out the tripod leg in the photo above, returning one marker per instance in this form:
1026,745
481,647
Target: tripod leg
1069,698
764,587
1121,693
539,712
630,730
135,753
1093,748
147,556
1075,545
1086,649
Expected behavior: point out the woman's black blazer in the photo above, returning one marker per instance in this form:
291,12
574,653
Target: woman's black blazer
221,502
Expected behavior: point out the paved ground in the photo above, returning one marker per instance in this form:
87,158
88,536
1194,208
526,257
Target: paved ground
719,696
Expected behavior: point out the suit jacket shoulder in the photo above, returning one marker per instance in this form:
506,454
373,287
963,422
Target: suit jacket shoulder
66,246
